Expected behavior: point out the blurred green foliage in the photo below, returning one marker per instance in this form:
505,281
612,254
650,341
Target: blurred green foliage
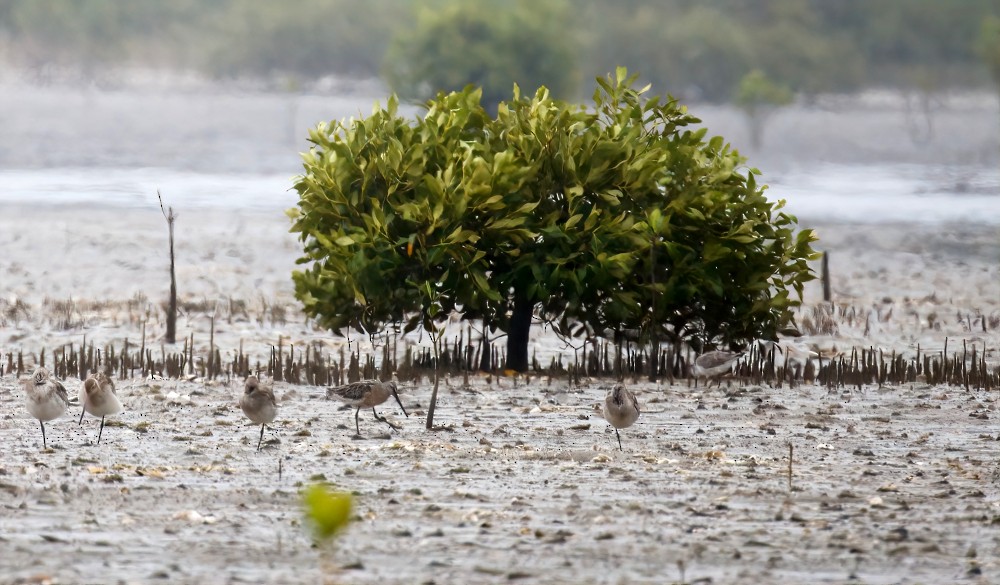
491,44
327,511
220,37
758,96
757,91
309,38
988,46
695,49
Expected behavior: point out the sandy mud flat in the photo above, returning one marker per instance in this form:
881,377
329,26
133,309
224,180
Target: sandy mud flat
522,484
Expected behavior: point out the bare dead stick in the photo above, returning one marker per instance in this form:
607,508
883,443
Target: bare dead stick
825,277
171,334
789,467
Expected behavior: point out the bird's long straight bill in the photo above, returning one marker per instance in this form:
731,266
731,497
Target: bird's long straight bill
399,402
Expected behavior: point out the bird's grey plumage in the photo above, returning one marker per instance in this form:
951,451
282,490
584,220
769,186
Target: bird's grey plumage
787,352
45,398
714,364
621,409
258,404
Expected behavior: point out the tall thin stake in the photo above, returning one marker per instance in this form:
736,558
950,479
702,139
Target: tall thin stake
826,277
654,343
211,350
172,304
436,340
789,467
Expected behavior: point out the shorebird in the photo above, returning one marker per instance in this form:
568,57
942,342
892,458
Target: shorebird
621,409
46,398
103,381
97,394
797,353
714,364
258,404
789,352
364,394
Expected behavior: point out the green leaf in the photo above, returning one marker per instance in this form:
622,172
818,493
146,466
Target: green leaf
326,511
572,221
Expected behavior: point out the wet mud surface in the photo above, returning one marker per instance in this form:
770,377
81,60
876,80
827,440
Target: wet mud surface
519,484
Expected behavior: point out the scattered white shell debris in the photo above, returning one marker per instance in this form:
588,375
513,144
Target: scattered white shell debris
174,398
194,517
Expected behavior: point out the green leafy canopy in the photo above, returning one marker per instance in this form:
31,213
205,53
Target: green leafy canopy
620,215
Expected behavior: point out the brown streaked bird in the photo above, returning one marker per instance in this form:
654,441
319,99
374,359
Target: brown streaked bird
258,404
45,398
621,409
103,381
714,364
97,394
364,394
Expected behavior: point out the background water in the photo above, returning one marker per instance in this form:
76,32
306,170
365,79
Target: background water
207,146
822,192
873,193
136,188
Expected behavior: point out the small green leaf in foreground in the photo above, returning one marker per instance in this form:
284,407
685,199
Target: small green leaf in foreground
326,510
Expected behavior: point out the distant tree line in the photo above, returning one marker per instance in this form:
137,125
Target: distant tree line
694,49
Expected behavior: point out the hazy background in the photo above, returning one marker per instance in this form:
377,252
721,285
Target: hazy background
876,110
695,49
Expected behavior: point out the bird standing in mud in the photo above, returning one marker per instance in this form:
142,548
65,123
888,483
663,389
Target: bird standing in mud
97,394
788,352
364,394
621,409
46,398
258,403
714,364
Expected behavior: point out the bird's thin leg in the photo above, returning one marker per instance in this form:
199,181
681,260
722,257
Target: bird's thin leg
44,445
383,419
100,431
619,440
357,429
82,412
261,437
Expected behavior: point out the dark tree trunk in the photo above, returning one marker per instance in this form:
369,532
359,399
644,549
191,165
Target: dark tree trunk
517,337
